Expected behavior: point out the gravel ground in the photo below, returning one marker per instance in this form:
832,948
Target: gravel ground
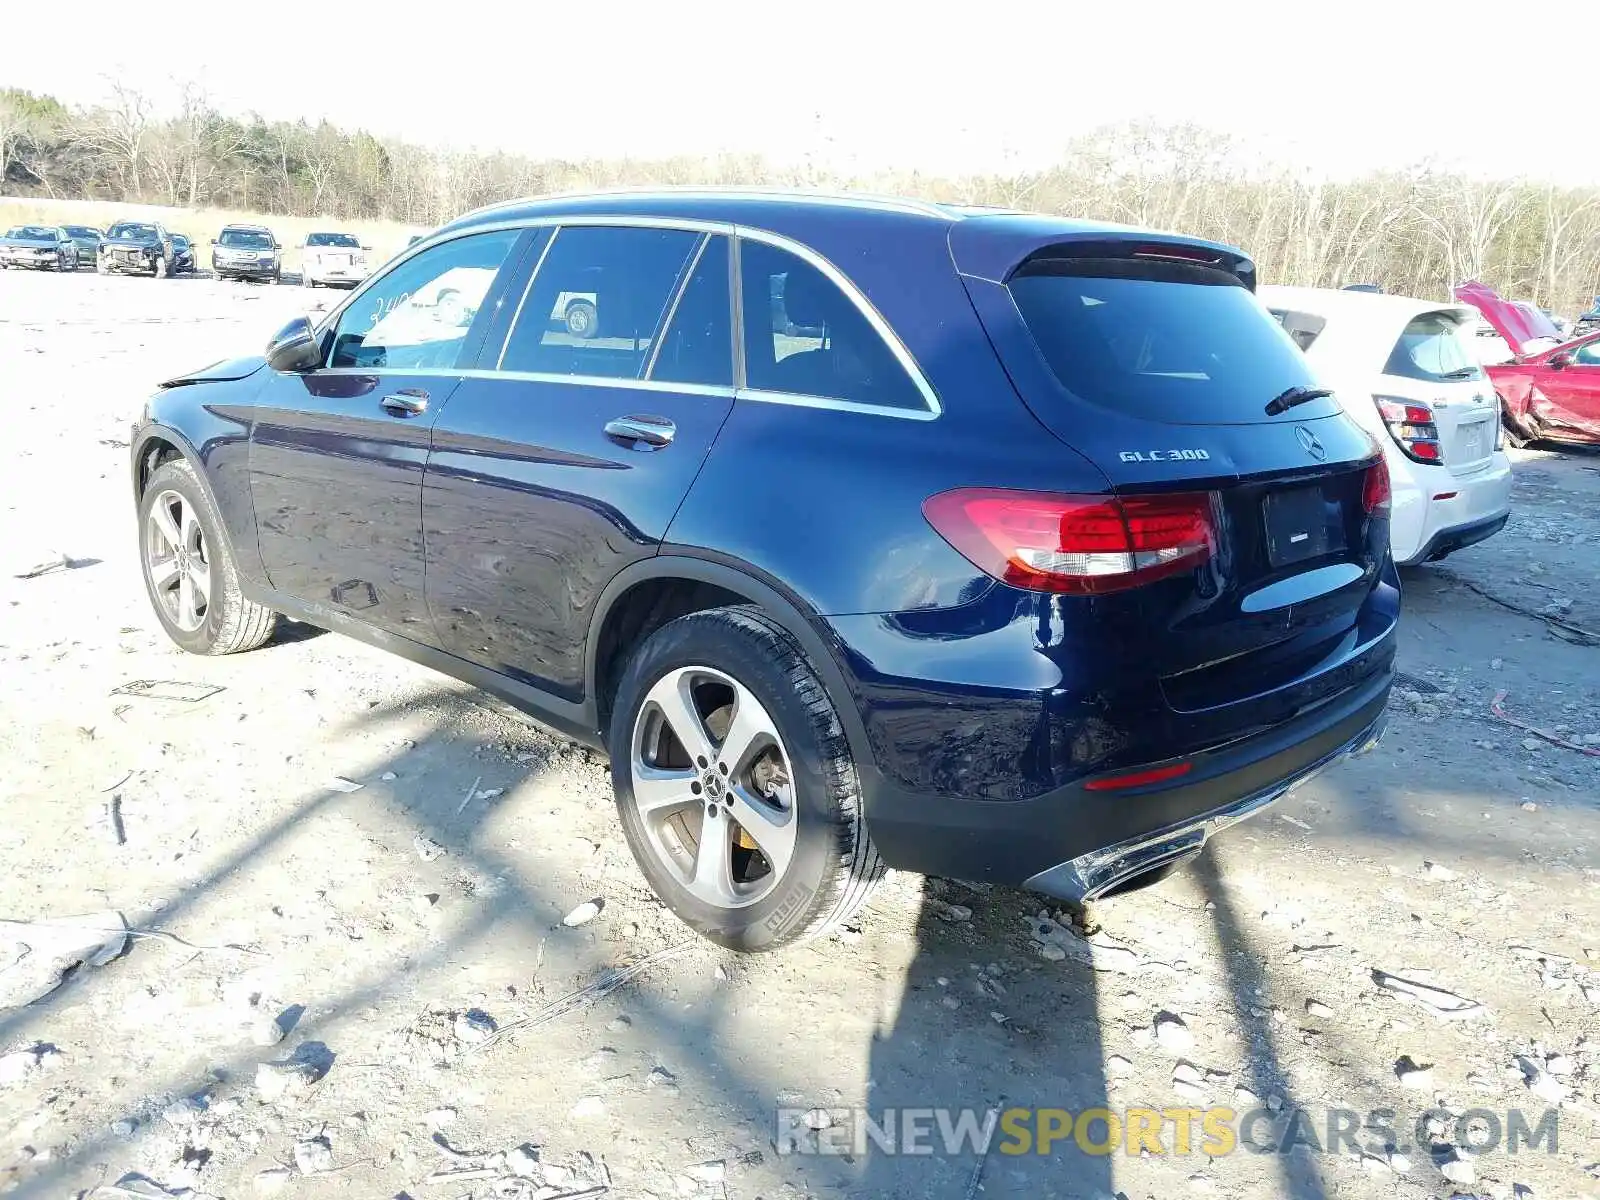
354,871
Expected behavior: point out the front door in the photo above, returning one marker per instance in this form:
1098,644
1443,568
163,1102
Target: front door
337,454
1571,393
565,457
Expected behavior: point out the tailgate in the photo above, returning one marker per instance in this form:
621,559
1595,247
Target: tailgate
1161,371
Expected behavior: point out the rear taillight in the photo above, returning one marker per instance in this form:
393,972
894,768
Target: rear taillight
1410,424
1375,491
1082,545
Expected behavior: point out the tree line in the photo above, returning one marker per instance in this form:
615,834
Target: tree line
1416,232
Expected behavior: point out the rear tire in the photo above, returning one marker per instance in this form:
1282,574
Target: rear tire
226,623
794,775
1514,436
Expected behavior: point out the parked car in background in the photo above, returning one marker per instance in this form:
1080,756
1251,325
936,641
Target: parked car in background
182,255
39,248
87,239
136,247
1408,372
246,252
1589,321
1044,561
333,259
1549,390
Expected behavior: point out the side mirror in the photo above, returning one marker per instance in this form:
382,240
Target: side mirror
294,348
364,246
1560,361
213,241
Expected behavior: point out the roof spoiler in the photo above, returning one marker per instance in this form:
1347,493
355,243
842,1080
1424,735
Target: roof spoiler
993,247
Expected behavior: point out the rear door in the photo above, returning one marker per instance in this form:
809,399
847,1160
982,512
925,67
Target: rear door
336,454
1160,366
565,455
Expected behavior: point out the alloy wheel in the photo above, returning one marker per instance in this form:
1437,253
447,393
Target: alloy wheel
713,787
176,559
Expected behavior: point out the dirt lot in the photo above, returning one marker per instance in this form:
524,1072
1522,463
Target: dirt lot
369,939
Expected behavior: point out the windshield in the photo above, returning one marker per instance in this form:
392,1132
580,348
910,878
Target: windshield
33,233
179,240
1434,347
1187,345
248,239
132,231
333,239
81,231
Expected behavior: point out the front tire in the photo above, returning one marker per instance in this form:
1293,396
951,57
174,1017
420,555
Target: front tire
189,569
735,784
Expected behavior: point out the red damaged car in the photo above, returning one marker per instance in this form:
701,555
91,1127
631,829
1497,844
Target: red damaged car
1550,390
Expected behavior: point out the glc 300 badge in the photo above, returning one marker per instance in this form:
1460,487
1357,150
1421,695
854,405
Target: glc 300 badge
1163,455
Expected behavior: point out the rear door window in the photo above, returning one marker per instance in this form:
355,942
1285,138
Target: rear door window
1162,341
1434,347
596,302
804,337
698,344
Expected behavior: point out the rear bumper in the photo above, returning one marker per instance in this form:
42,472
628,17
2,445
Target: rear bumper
1429,515
1101,871
1072,842
1448,540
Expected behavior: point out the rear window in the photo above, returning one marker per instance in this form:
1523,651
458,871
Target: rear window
1167,342
1302,327
1434,347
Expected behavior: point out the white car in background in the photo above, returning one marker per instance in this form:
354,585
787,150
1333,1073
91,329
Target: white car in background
1408,372
333,259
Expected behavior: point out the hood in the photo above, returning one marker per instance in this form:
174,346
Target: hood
219,372
1524,328
40,243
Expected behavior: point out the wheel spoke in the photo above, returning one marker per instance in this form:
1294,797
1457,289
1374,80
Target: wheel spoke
200,580
672,697
657,788
191,528
713,860
188,614
770,828
161,517
164,573
750,726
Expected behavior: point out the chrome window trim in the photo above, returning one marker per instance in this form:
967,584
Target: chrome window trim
505,343
672,307
827,402
873,316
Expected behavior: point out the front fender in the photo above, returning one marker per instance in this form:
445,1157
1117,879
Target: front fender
208,425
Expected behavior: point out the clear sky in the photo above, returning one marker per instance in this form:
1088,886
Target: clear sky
1338,85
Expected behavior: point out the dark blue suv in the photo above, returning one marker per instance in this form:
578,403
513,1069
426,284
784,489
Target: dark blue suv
858,532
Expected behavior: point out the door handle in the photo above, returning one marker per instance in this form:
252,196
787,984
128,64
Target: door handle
653,432
407,402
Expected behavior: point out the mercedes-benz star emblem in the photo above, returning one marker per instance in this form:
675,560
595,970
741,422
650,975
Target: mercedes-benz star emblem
1311,443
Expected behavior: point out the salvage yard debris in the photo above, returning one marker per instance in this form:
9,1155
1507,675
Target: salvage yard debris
1445,1005
168,689
1553,738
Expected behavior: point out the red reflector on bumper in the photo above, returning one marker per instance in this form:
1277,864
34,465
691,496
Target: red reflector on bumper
1137,778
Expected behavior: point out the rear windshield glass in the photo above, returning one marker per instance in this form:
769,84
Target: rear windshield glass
1302,327
1433,347
333,239
1183,344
